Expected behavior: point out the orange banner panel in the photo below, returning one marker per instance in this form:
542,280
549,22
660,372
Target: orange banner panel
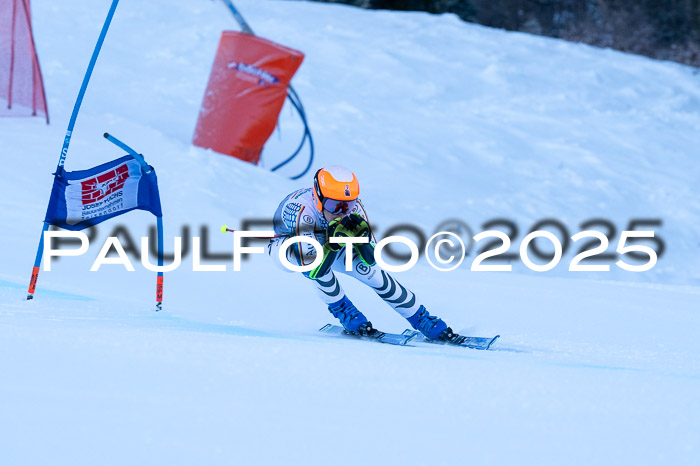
245,94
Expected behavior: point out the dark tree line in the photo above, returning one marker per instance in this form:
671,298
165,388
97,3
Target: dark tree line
664,29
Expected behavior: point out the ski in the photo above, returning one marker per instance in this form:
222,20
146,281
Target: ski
479,343
376,335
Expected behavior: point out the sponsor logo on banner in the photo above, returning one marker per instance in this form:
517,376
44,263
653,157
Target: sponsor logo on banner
97,188
264,76
106,193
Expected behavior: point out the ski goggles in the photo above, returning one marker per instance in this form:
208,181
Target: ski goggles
338,207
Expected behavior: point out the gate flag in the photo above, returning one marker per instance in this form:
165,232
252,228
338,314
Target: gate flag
84,198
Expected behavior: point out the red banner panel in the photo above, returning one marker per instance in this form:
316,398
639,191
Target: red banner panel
247,87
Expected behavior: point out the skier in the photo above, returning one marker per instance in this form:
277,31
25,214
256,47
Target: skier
332,208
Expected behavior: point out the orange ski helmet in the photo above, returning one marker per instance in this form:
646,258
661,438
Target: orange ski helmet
336,189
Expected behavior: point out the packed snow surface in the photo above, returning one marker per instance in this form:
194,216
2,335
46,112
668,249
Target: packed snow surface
440,120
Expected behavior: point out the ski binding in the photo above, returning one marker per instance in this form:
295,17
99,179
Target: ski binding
479,343
376,335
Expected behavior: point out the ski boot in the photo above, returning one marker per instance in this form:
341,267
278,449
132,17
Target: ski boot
432,327
352,320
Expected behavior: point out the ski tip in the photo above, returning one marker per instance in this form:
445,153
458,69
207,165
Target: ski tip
410,335
493,340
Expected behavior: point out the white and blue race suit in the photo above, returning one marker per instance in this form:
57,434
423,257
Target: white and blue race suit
297,215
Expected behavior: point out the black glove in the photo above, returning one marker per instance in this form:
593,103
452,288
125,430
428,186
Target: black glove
361,228
357,224
335,229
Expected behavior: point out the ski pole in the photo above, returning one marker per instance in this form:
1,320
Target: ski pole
226,229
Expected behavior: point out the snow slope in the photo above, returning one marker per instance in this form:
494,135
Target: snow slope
439,119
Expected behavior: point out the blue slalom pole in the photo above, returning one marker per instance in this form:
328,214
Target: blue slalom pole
146,169
239,17
86,80
139,158
66,141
